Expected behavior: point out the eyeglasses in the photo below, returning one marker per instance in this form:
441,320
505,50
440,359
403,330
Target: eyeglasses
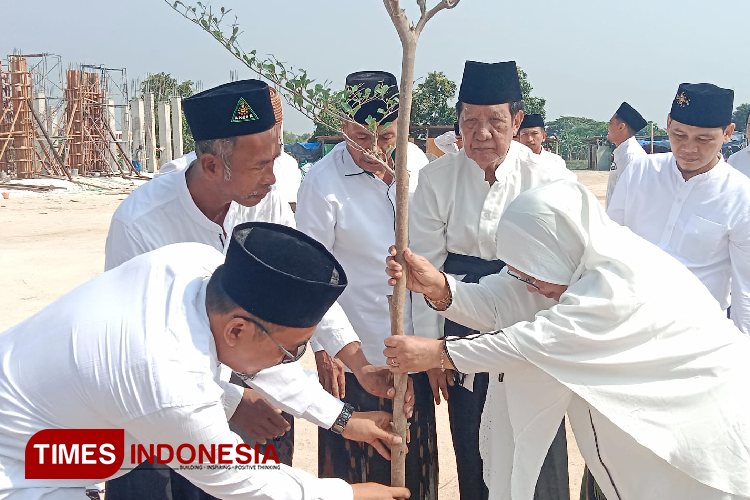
288,356
527,281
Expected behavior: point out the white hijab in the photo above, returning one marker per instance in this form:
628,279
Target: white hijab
635,335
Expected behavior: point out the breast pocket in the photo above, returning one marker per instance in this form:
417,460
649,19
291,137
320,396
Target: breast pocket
702,239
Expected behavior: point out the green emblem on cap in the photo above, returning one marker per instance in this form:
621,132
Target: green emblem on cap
243,112
682,100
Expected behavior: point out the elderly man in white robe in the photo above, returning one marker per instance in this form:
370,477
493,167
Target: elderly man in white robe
621,130
347,202
91,360
533,135
592,320
741,159
236,128
453,218
690,202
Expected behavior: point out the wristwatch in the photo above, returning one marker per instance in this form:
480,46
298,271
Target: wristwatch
343,419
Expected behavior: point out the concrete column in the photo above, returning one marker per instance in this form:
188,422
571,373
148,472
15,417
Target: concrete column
176,126
165,134
114,167
39,103
127,136
150,129
137,125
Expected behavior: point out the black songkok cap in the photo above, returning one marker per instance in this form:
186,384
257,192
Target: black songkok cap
532,120
629,115
490,83
281,275
233,109
703,105
361,81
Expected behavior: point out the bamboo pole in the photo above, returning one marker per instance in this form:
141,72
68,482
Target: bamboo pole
10,134
41,160
68,127
49,141
122,152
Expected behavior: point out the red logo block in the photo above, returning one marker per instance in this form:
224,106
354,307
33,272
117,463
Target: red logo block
75,453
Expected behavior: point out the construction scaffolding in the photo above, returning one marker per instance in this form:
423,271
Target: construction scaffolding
55,129
16,127
93,145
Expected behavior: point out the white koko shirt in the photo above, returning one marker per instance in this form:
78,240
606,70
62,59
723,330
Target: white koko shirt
352,213
551,158
703,222
455,210
97,359
741,160
624,155
162,212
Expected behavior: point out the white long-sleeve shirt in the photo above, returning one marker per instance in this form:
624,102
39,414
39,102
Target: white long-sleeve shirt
455,210
624,155
551,158
353,214
741,160
703,222
162,212
288,177
94,360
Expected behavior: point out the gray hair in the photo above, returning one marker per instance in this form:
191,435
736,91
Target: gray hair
218,147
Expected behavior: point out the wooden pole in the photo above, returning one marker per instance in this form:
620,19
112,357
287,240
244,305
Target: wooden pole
49,141
122,152
10,134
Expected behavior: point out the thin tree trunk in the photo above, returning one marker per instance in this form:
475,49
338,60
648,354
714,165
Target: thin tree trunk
398,454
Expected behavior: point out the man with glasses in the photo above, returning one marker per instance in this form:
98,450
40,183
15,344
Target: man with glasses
347,203
152,367
453,220
236,127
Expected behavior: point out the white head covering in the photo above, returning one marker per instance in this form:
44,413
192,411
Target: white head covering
636,335
447,142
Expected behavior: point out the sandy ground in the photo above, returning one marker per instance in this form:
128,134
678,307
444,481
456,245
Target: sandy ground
52,242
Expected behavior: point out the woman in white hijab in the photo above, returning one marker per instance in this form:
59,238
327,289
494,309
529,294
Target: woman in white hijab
616,333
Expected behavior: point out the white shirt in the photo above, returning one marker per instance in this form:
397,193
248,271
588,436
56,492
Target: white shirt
162,212
285,169
84,358
624,155
446,142
455,210
353,214
703,222
741,160
288,177
551,158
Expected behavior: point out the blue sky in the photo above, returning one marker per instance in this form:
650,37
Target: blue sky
583,56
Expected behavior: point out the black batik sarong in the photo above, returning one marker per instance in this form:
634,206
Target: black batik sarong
359,462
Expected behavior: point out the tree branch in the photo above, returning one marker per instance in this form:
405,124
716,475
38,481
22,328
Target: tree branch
399,20
426,16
